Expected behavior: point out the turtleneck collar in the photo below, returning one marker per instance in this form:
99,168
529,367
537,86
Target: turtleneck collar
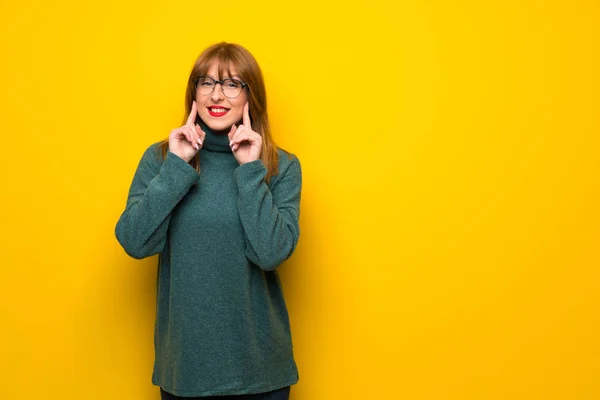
214,141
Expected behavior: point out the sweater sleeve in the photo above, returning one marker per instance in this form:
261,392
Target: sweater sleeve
155,191
269,216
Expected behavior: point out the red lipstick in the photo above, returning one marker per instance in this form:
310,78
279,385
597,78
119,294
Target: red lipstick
220,111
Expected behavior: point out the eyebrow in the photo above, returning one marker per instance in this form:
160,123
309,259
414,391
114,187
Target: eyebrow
231,77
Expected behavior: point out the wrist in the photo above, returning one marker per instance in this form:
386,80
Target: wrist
187,160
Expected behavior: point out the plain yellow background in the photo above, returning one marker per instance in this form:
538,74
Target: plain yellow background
449,223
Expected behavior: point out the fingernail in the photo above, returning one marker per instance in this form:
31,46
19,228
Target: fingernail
230,143
200,141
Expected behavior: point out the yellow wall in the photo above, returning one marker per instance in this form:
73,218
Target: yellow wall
450,223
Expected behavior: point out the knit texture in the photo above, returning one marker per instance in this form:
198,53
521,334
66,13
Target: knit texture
222,325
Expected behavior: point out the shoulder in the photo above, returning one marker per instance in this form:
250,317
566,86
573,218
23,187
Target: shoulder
152,154
289,168
152,159
287,160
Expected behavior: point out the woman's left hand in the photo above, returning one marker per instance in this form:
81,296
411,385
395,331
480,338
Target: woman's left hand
244,142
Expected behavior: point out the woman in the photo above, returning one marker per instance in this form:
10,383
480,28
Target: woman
220,204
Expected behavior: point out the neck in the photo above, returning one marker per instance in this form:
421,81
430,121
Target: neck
215,140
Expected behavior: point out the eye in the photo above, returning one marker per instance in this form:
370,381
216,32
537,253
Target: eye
206,82
233,84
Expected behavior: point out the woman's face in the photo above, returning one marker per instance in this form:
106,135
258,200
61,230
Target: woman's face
218,111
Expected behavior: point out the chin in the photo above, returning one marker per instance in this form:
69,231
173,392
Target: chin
216,125
219,126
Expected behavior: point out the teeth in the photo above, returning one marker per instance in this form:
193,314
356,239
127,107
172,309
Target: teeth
218,110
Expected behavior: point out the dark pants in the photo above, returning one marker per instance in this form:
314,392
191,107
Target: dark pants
280,394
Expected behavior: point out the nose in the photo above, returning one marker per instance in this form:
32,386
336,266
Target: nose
217,94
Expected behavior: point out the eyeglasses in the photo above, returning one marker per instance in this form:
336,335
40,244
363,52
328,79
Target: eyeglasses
231,87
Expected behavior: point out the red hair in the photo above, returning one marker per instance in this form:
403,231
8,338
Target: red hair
228,56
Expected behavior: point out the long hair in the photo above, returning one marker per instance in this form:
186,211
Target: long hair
228,55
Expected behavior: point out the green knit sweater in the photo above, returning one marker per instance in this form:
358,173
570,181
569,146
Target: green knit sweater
222,326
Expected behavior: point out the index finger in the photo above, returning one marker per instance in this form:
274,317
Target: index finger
192,118
246,118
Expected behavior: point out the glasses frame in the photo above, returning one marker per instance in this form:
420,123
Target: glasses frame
244,85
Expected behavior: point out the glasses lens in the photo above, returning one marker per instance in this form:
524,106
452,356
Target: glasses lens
232,87
205,85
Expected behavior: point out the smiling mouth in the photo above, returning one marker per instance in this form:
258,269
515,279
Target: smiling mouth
217,111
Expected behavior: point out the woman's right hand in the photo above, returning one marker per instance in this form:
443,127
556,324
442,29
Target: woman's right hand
186,141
